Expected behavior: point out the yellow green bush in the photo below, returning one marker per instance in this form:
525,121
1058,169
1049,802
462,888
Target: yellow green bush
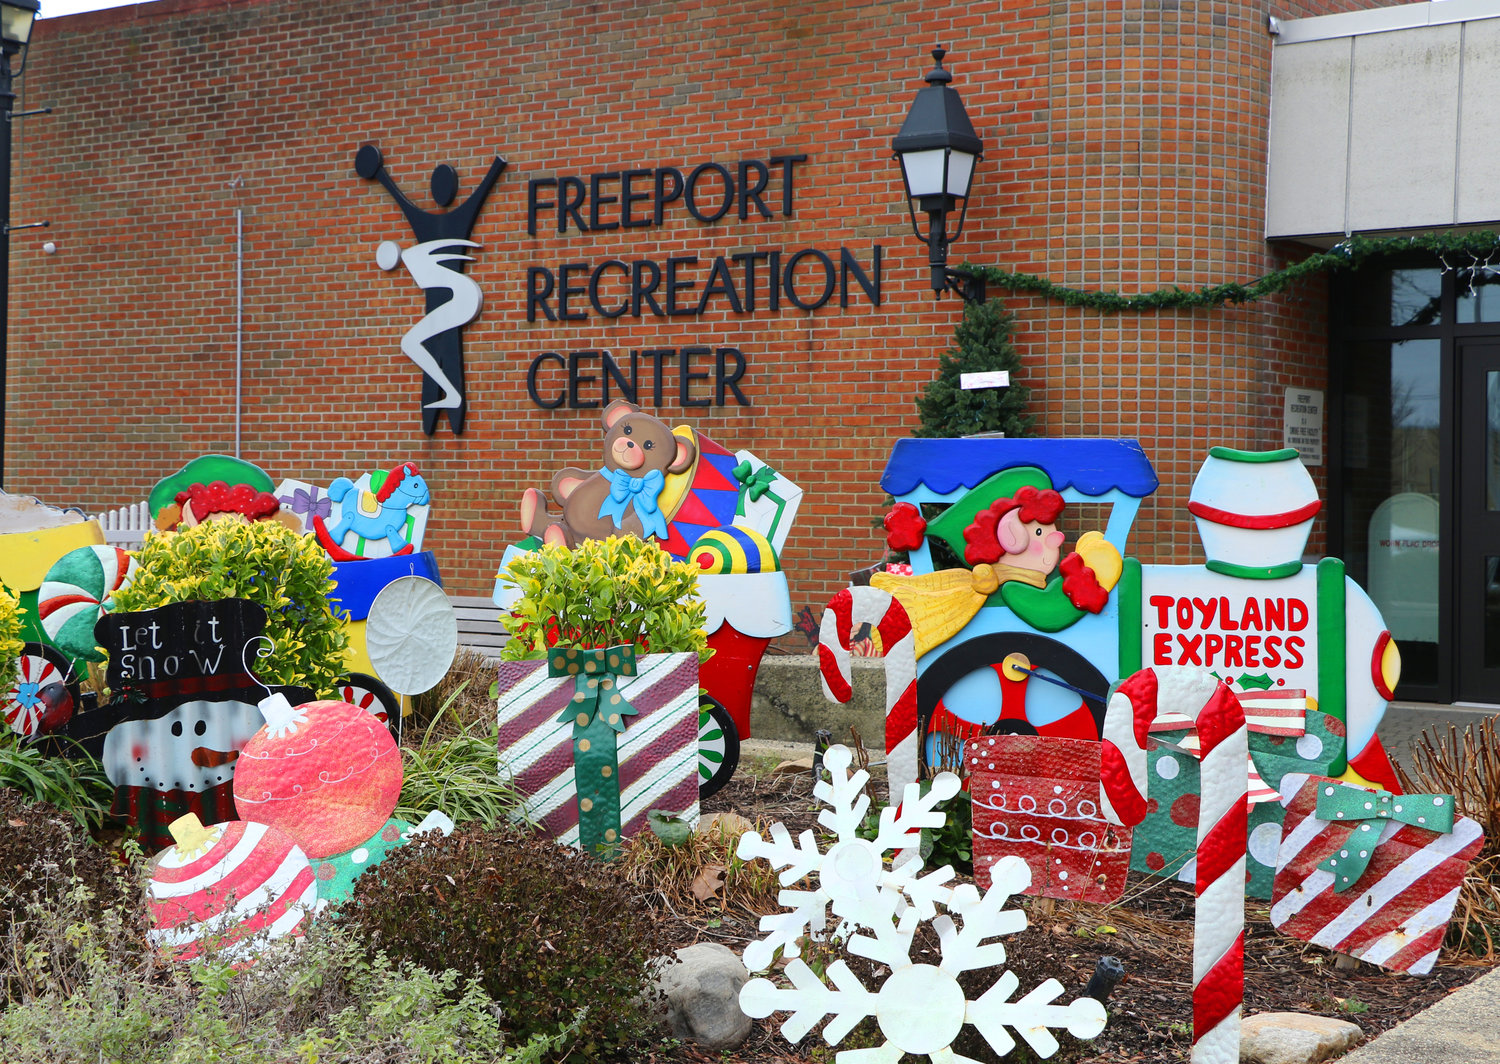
263,562
603,593
10,633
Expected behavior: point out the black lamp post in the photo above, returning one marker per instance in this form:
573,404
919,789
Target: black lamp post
16,18
938,150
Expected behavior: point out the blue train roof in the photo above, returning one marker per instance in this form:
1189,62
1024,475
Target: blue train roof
1093,467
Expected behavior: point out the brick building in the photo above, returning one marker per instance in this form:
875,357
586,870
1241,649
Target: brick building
198,172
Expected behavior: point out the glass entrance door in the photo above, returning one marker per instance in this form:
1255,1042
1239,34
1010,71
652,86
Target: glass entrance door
1414,381
1393,495
1477,458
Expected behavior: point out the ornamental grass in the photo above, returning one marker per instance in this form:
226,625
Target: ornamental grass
1467,766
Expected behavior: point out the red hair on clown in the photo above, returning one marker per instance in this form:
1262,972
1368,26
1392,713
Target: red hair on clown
987,542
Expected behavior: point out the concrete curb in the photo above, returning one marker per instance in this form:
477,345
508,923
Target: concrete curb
1463,1028
789,704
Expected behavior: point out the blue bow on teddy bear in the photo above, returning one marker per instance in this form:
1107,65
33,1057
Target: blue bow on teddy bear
642,492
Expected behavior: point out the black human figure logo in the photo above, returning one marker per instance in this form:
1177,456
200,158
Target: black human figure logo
436,343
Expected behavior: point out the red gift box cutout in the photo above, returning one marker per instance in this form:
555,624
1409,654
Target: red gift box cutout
1037,797
1396,913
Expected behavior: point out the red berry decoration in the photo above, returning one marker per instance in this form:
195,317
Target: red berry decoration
905,527
326,773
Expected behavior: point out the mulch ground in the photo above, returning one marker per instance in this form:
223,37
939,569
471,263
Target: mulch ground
1150,930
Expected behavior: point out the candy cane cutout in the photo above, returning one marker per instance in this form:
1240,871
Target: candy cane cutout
1219,915
849,609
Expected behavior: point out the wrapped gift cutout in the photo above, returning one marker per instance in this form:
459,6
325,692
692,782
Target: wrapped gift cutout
1037,798
657,752
1396,910
1166,839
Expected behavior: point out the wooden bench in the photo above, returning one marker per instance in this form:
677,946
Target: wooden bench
479,626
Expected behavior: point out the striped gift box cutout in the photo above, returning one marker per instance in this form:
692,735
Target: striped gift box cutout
1395,915
658,751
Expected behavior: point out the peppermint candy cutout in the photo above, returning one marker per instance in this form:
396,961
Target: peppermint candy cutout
73,595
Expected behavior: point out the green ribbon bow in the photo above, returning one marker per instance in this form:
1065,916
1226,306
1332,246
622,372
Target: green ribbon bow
597,711
1339,802
594,675
757,481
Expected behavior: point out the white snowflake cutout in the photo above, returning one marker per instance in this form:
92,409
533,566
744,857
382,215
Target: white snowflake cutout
920,1008
853,871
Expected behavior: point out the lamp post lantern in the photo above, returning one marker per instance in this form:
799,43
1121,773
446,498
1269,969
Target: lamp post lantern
16,18
938,150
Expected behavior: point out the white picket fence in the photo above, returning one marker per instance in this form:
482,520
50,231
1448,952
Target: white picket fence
127,526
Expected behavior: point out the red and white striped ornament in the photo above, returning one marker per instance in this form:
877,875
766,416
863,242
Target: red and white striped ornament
845,613
1219,916
1396,913
327,773
230,882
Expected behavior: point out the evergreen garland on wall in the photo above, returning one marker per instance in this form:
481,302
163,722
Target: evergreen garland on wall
1480,248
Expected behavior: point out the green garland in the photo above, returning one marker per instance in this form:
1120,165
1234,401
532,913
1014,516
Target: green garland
1349,254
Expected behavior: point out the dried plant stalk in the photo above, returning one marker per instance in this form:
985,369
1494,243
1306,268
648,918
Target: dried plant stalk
1467,766
947,755
862,764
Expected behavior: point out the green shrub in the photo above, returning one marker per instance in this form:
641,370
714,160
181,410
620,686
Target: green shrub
548,931
603,593
45,859
10,635
458,774
75,784
83,989
266,563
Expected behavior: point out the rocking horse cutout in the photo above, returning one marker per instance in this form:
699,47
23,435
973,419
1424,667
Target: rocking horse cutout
373,515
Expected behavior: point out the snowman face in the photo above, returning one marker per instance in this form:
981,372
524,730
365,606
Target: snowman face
192,748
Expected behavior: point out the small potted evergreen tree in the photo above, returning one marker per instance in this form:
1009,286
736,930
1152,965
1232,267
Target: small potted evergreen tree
982,344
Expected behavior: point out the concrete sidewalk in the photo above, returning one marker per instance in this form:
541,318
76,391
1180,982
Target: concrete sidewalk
1405,722
1463,1028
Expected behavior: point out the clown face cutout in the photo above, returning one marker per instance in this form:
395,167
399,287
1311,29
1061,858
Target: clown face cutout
1029,544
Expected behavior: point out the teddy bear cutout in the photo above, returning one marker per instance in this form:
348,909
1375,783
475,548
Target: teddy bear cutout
623,495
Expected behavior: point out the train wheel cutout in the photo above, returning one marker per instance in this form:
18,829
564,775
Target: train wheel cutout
1054,658
718,747
363,690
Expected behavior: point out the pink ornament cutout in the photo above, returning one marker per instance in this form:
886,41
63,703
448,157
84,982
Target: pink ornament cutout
326,773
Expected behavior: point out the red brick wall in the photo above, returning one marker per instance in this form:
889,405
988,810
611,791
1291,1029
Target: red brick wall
1125,149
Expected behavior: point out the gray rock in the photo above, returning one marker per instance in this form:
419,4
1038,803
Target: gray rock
702,991
1294,1038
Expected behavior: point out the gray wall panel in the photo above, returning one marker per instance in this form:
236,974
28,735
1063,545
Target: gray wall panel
1306,174
1404,128
1478,192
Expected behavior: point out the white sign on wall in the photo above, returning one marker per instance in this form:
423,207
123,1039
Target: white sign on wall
1302,424
998,378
